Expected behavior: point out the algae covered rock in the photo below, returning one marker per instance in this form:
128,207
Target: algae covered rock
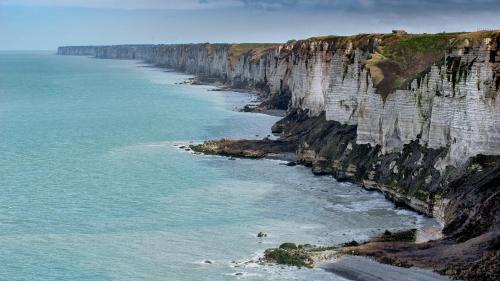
305,255
292,257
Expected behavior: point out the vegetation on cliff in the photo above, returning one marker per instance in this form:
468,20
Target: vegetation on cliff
398,58
255,50
400,236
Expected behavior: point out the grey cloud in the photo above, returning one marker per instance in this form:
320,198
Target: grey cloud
128,4
377,6
347,6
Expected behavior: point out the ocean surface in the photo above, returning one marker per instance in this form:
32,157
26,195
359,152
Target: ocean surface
94,187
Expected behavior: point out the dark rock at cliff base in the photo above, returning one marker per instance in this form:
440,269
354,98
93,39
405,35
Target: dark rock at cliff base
471,246
474,206
408,177
245,148
280,100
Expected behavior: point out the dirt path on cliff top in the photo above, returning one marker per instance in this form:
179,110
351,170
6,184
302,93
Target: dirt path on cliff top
364,269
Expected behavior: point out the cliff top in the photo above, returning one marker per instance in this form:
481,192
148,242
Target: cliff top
254,49
236,50
397,58
394,59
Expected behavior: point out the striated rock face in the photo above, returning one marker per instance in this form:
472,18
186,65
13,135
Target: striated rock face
77,51
461,113
109,52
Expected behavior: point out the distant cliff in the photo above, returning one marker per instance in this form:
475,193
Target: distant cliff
414,116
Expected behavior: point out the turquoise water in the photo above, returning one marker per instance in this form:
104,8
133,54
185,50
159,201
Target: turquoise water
93,187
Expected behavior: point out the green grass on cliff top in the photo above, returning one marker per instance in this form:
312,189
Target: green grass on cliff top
255,49
404,57
399,58
396,59
236,50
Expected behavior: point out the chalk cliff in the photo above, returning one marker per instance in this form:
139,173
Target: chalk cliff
443,96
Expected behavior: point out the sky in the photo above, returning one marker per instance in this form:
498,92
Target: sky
47,24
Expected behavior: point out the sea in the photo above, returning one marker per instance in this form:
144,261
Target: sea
94,184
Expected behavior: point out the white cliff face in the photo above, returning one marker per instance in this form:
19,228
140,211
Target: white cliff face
199,59
468,120
77,50
308,78
321,77
464,117
350,83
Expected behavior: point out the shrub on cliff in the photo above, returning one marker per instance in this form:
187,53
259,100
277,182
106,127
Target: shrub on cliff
400,236
288,246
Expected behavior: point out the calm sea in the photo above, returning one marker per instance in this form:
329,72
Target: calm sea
92,186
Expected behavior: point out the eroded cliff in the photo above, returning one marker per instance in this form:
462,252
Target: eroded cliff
438,89
439,92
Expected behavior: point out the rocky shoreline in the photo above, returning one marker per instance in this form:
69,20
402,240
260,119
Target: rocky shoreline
460,253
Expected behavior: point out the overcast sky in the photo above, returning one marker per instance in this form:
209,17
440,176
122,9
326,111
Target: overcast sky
46,24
